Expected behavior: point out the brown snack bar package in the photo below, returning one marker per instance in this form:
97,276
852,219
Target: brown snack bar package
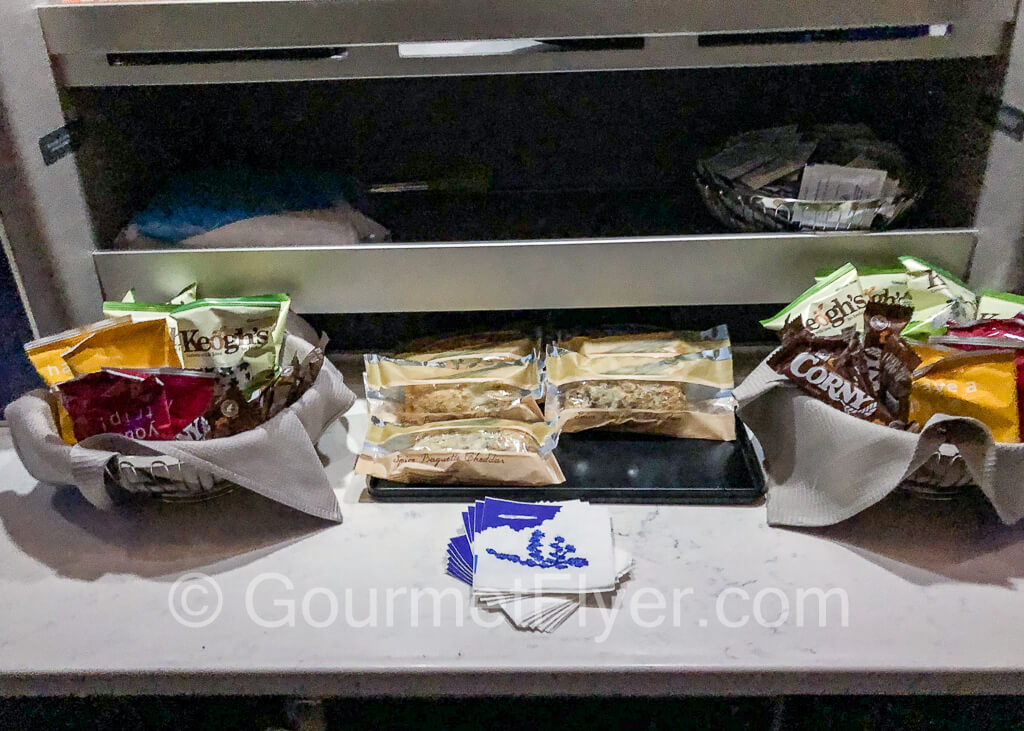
896,376
832,370
890,359
232,412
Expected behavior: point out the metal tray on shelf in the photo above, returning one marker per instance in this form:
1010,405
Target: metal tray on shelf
622,468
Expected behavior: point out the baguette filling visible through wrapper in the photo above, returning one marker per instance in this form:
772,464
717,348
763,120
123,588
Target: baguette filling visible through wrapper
411,392
468,451
652,384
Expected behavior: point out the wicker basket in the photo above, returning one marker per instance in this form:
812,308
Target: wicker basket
744,209
943,477
163,478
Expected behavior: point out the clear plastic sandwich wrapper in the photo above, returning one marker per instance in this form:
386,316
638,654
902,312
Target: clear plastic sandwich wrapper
686,395
471,349
412,392
467,451
650,344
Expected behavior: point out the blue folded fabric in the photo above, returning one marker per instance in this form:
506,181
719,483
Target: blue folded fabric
201,201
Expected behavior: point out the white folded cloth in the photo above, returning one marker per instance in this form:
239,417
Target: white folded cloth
823,466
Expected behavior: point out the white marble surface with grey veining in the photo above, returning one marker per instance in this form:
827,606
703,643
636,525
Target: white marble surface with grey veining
932,596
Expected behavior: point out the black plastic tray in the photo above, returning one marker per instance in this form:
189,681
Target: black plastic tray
622,468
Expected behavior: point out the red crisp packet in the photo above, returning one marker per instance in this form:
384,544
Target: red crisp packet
985,334
188,393
115,403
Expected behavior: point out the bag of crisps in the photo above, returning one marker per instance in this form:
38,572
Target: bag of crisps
832,305
45,353
994,305
127,344
979,384
937,296
237,337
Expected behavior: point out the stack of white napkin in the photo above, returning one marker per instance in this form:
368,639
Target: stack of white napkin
537,562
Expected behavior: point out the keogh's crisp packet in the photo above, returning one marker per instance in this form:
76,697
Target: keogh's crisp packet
141,311
994,305
237,337
887,285
937,296
832,305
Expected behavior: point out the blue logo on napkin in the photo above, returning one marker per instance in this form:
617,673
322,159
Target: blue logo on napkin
559,557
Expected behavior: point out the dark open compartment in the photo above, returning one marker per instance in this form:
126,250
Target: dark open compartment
568,155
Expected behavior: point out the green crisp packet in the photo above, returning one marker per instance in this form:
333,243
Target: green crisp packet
887,285
937,296
142,311
999,305
832,305
237,337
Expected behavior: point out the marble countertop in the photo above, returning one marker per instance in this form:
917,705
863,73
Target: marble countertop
907,597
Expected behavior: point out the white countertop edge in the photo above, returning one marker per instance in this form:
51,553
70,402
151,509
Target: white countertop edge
585,682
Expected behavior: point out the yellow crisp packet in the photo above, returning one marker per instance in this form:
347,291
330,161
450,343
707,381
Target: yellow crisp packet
144,344
979,384
65,427
45,353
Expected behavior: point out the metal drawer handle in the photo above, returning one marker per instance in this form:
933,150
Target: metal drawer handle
825,35
183,58
466,49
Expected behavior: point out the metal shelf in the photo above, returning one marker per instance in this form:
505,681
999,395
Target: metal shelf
514,275
213,41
